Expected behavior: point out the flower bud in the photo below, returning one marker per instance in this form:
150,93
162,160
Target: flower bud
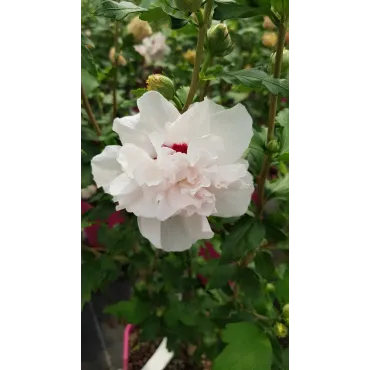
273,146
268,23
269,39
284,64
270,288
189,56
281,330
188,5
139,29
160,311
118,60
218,41
161,84
286,313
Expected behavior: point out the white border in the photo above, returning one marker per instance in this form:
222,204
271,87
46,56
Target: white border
40,309
329,177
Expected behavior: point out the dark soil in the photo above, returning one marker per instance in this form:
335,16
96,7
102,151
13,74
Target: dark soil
141,353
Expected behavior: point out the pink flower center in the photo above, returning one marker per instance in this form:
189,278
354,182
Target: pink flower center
180,147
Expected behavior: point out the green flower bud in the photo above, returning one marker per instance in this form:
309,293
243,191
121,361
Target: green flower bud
281,330
188,5
218,41
273,146
161,84
284,65
286,313
160,311
270,288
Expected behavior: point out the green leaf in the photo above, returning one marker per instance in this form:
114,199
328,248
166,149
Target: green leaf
221,275
265,265
281,8
154,15
257,79
279,189
283,120
118,11
87,61
227,9
95,273
182,93
89,82
177,23
256,151
138,92
169,7
133,311
282,288
248,348
246,236
249,282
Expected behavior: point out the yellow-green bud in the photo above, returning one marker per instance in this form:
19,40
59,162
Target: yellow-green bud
188,5
162,84
218,41
160,311
281,330
273,146
270,288
286,313
284,64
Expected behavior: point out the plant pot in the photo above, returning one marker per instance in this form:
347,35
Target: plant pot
158,361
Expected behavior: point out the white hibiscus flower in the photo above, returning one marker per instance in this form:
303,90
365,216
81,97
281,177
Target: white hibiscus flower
173,170
153,48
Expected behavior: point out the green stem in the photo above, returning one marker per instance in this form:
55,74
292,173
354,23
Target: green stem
271,118
115,72
204,84
199,54
90,114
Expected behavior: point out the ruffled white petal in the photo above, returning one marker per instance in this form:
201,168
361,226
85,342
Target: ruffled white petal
194,123
155,112
177,233
105,166
234,125
234,201
204,150
139,165
127,131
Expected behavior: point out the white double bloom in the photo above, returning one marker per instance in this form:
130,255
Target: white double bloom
153,48
173,170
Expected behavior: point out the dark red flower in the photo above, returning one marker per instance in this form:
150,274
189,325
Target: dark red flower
91,232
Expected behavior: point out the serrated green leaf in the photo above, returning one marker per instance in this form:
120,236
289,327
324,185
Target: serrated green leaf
133,311
246,236
265,265
278,189
95,274
221,275
227,9
154,15
118,11
248,348
249,282
256,151
257,79
169,7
